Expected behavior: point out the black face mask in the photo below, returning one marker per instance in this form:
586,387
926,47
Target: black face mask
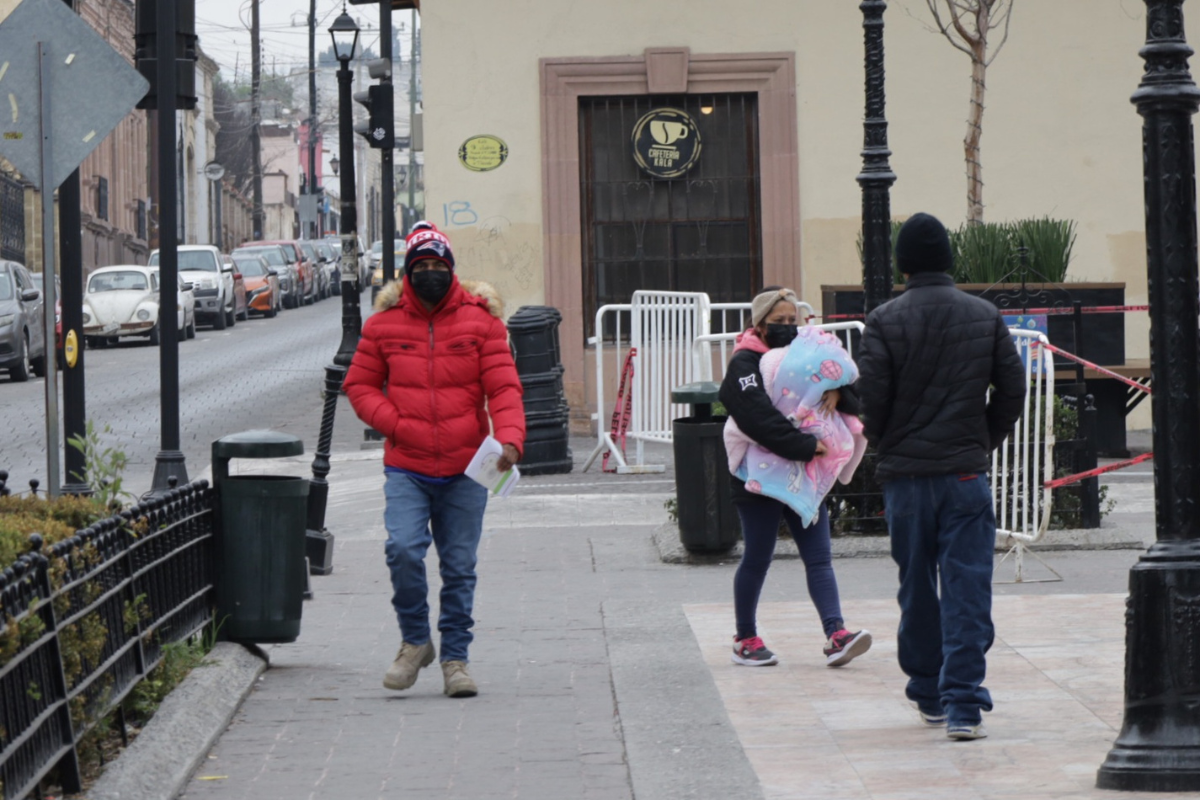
780,335
430,285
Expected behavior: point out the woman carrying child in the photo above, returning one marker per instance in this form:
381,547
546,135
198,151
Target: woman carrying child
785,462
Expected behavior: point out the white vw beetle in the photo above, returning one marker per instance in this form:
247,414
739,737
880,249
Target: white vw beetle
124,301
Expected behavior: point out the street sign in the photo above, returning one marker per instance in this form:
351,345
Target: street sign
93,88
214,171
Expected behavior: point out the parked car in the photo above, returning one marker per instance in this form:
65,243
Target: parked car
317,256
22,323
203,266
400,249
124,301
240,297
262,283
333,267
58,338
305,268
276,258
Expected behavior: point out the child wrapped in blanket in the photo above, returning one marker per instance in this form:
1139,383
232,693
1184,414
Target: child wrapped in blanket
792,432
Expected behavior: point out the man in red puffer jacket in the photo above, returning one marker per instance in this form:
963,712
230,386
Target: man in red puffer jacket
431,365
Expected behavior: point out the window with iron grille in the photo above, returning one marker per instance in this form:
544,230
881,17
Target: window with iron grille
699,232
141,220
12,219
102,198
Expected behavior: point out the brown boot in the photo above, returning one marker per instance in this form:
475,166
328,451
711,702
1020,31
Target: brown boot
403,672
458,680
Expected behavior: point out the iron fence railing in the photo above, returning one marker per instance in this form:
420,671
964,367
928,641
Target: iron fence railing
82,621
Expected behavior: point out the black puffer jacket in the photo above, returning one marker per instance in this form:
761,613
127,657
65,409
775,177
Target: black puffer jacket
926,362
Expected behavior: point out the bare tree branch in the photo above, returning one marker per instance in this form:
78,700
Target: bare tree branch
918,20
1006,14
956,15
941,26
984,16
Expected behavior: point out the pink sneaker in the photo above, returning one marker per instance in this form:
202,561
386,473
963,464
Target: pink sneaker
751,652
844,646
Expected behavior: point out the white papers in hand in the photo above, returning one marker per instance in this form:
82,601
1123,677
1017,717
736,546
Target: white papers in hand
482,469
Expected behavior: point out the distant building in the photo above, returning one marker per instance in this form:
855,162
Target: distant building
281,179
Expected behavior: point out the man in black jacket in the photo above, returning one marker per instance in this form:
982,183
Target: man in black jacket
927,361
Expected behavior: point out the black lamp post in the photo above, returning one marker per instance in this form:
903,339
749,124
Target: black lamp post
169,462
320,540
876,177
1158,748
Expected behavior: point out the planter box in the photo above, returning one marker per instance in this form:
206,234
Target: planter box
1103,334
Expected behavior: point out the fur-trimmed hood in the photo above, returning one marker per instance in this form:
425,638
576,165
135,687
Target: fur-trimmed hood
389,295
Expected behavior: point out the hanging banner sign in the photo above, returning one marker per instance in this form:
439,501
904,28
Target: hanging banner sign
483,153
666,143
1029,322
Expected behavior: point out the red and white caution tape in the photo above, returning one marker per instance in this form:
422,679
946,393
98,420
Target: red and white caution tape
1106,372
1091,473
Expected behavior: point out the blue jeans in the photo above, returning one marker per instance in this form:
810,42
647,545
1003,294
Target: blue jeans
944,527
760,530
451,517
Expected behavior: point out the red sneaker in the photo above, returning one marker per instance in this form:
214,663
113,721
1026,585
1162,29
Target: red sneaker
751,652
844,646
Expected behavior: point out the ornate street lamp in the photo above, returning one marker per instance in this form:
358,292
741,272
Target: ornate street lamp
334,163
876,177
320,541
345,37
1158,748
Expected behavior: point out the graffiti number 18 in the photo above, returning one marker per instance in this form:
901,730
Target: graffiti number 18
459,212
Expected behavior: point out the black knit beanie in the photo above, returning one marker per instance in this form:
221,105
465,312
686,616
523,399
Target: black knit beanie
923,246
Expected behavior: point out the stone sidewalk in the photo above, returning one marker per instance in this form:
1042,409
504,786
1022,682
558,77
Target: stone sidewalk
603,673
1055,674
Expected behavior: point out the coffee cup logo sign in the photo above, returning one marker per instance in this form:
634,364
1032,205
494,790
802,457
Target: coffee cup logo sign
666,143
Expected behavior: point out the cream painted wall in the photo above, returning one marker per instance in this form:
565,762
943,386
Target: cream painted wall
1060,136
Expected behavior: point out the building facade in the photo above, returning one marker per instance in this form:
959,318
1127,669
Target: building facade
281,179
113,179
775,93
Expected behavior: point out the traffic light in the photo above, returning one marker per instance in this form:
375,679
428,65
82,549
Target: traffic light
146,54
378,100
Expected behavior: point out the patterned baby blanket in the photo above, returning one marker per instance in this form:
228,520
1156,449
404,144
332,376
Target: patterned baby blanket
796,377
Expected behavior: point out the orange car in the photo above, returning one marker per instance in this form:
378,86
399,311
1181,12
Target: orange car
262,284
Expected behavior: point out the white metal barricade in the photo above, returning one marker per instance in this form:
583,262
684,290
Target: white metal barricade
665,329
702,350
619,347
1023,464
663,326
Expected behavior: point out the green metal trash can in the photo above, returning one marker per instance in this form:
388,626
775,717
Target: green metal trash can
708,522
261,522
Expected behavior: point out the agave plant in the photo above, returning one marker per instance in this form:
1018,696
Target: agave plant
1050,242
983,253
989,253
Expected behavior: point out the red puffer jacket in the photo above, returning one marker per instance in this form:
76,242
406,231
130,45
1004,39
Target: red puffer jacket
421,378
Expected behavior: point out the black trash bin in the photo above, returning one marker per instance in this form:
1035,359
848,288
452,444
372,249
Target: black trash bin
261,520
533,335
708,522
